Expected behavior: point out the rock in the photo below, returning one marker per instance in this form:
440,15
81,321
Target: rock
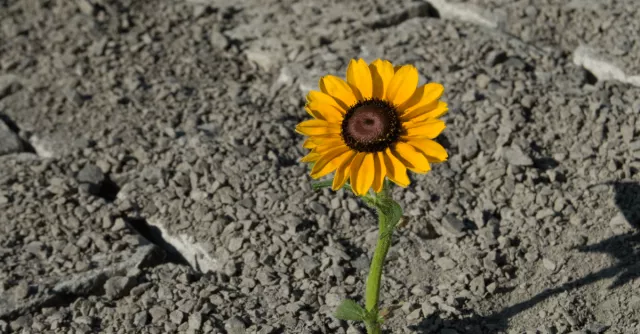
318,208
118,225
483,80
496,57
176,317
141,318
21,291
332,299
516,157
217,39
118,286
20,322
195,321
37,248
550,265
83,320
446,263
235,325
515,62
93,177
414,315
309,264
9,140
263,59
158,314
235,244
469,145
453,225
86,7
469,96
477,286
428,309
619,224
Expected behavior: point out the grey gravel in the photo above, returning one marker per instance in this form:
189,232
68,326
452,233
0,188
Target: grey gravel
177,119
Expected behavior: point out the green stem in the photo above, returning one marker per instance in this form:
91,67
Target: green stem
372,294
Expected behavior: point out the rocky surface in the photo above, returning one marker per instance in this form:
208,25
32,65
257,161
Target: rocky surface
149,174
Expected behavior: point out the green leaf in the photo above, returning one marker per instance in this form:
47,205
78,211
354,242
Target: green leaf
350,310
327,184
321,184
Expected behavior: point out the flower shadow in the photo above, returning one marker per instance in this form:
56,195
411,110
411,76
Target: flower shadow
625,248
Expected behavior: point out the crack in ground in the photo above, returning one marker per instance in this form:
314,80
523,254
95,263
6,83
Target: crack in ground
154,235
23,145
68,289
422,10
180,249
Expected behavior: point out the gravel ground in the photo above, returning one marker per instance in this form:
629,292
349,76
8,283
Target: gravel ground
150,183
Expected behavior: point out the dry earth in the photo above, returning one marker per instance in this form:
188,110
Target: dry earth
150,183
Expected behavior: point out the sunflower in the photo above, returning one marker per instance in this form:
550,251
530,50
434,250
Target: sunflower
376,124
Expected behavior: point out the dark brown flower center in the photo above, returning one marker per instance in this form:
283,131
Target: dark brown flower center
371,126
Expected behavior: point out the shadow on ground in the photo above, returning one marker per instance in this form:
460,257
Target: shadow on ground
625,248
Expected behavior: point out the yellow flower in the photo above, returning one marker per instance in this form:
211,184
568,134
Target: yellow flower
376,124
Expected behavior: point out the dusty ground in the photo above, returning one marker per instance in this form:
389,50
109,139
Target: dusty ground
150,183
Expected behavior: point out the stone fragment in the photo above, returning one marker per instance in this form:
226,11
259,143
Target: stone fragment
119,286
235,325
516,157
446,263
92,177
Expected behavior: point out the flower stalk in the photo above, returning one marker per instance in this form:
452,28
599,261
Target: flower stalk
389,214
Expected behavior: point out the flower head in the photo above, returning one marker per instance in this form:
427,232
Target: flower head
376,124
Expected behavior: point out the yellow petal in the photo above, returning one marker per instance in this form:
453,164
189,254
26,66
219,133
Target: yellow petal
396,171
433,110
381,171
359,76
428,129
425,95
329,145
315,96
431,149
328,112
381,74
311,157
309,144
339,90
314,114
412,159
321,139
342,173
402,85
362,173
316,127
353,170
324,165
